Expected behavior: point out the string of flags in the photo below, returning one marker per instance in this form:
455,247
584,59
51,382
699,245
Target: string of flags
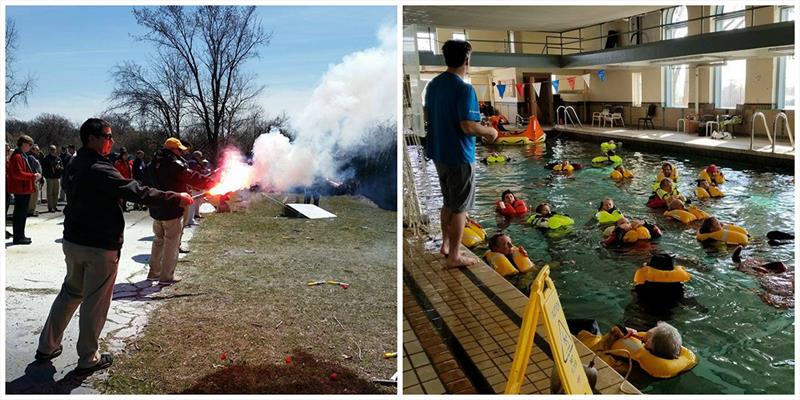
537,86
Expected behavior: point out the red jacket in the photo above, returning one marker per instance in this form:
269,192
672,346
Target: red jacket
19,178
125,168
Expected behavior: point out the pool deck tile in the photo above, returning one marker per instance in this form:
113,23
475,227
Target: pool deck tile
485,333
736,148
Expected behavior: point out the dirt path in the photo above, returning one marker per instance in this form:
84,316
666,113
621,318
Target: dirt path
247,321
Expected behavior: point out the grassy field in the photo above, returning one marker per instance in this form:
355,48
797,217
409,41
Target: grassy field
248,323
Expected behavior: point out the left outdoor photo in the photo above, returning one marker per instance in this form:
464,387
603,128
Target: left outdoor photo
201,199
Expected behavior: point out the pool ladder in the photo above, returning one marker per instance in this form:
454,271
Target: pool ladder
781,116
567,116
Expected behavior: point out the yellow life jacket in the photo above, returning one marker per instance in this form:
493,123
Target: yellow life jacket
604,217
605,147
615,159
681,215
673,177
730,234
662,194
615,175
718,178
657,367
633,235
594,343
499,159
701,193
473,235
554,221
698,213
649,274
503,266
716,192
558,168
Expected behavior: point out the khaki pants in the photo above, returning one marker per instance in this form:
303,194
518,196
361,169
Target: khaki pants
52,193
89,284
34,198
164,254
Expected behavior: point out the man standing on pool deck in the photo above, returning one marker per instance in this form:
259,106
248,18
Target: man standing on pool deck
453,116
93,234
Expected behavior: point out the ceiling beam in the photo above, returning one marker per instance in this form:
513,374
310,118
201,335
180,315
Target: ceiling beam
756,37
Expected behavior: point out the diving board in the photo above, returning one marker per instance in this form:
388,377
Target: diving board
309,211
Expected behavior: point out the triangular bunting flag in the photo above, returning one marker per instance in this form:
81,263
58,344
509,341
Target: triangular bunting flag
602,75
537,87
481,89
555,86
520,90
587,78
571,82
501,88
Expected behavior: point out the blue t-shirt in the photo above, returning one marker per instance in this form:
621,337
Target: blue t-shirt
448,101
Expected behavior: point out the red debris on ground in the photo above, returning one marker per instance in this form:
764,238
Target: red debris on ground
334,376
288,359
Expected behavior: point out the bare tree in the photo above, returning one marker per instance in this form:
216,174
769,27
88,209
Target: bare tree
214,43
156,95
47,129
17,88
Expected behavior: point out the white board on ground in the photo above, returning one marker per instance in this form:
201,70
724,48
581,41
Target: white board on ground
310,211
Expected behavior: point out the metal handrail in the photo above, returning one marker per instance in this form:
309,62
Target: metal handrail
566,109
547,45
782,115
558,109
753,129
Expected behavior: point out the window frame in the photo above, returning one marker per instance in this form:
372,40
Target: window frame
669,16
780,73
718,25
669,85
430,37
636,89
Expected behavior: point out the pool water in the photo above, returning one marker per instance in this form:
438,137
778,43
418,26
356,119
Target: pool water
744,344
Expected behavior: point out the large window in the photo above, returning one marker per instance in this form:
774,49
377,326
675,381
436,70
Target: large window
460,36
729,80
730,17
729,84
676,85
676,23
787,70
425,41
636,84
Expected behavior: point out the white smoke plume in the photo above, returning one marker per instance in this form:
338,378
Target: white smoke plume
352,97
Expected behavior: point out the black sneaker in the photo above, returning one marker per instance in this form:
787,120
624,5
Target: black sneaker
45,357
105,361
22,241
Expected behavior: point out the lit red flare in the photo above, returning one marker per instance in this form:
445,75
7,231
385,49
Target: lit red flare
235,174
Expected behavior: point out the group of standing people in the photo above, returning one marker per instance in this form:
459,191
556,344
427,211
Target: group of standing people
27,172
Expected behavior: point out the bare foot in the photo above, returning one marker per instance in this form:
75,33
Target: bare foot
443,251
459,262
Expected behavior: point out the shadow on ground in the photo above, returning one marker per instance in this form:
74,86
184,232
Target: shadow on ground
303,374
39,378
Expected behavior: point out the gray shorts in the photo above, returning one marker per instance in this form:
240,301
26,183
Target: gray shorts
458,186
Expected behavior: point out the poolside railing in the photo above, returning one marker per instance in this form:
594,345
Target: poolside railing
766,128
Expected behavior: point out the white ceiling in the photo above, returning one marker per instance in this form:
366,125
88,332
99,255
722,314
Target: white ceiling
519,18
